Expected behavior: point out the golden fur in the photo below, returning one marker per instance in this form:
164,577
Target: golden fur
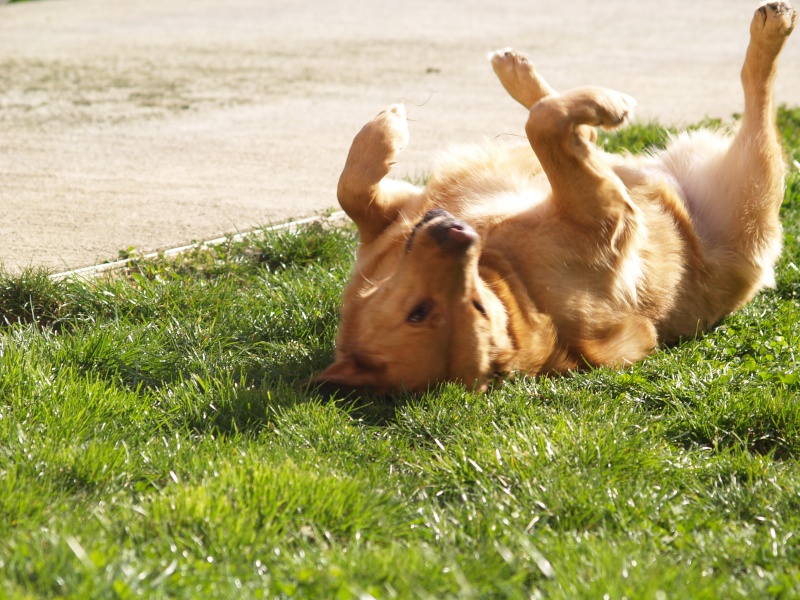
512,260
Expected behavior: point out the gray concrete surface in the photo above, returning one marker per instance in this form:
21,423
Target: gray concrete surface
152,124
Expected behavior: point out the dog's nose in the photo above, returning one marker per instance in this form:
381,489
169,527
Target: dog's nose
454,233
450,233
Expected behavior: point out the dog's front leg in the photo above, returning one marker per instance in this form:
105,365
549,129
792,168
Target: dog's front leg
365,192
585,188
600,229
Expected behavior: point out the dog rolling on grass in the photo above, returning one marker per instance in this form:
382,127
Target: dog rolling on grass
551,255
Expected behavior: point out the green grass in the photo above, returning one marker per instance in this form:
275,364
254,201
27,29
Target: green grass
157,440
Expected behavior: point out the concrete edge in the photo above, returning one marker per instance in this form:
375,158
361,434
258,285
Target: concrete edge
95,270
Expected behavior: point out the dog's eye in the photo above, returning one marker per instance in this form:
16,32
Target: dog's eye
420,312
479,307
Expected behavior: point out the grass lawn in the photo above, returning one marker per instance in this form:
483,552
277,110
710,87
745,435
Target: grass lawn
156,441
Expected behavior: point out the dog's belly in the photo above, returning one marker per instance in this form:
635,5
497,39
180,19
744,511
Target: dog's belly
692,164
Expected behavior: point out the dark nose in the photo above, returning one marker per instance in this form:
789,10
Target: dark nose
450,233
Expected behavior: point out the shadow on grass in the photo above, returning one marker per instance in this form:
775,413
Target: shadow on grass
251,411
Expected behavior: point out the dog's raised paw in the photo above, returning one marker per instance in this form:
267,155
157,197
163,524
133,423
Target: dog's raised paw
626,106
518,76
507,60
395,124
773,20
614,108
385,135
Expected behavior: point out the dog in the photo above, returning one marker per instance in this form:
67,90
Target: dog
553,255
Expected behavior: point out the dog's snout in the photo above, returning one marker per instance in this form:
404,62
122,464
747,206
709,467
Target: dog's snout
447,231
454,234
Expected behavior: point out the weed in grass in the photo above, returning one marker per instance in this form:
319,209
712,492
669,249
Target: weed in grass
29,297
156,440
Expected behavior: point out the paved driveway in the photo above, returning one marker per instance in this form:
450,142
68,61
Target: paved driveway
152,124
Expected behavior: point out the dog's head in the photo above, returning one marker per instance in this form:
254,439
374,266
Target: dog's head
433,320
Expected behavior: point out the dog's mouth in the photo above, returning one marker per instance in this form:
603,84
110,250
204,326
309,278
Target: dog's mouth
451,234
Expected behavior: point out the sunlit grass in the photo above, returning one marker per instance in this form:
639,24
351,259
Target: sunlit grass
157,440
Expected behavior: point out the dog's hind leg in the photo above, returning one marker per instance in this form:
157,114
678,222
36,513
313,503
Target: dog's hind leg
524,83
365,192
585,188
754,165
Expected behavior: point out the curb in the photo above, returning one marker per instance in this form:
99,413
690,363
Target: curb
95,270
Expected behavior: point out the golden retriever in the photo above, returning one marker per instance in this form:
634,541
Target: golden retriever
551,255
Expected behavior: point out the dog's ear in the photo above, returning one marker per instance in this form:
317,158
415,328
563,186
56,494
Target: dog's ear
347,374
625,343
